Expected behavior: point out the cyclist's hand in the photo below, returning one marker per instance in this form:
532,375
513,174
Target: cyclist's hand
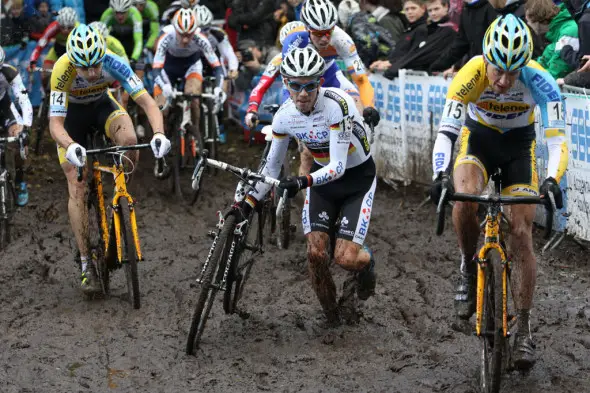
32,66
220,95
251,119
233,74
437,187
72,154
293,184
371,116
164,148
167,90
550,184
23,141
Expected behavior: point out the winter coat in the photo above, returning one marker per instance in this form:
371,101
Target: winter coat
563,30
38,25
253,19
94,9
572,53
410,39
395,24
14,31
78,5
475,19
427,51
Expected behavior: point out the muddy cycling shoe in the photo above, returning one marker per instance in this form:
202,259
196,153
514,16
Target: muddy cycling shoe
366,278
465,296
89,283
523,352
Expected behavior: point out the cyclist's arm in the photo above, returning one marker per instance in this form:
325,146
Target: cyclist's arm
266,80
355,67
115,46
211,57
19,91
160,55
458,98
226,51
62,76
50,32
548,97
137,21
152,111
107,17
274,161
152,12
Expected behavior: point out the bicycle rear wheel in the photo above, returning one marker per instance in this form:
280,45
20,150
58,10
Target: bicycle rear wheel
215,268
130,254
493,342
7,194
284,226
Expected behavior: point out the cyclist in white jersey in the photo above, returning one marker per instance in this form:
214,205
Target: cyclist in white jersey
342,180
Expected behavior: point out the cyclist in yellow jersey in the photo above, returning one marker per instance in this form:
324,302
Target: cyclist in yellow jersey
113,44
80,101
498,93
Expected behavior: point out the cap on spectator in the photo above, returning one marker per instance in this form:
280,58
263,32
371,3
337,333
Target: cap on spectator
508,43
319,15
303,63
246,44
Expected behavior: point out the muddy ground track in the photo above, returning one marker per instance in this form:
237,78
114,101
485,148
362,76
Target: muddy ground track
52,340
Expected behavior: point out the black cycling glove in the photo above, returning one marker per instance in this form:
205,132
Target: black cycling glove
550,184
371,116
293,184
437,187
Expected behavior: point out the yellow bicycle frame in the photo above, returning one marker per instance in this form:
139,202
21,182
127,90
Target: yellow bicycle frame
120,192
492,241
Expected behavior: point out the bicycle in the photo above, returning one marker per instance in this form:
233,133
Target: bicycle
181,132
117,240
7,190
232,253
493,320
208,122
42,116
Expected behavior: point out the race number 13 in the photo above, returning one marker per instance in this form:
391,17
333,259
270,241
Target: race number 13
555,111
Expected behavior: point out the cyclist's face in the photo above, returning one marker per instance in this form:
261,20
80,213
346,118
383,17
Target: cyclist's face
66,30
140,7
305,98
184,39
91,74
321,39
501,81
121,16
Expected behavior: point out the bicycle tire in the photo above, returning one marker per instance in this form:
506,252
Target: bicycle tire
492,339
212,133
284,227
207,293
176,159
8,191
130,259
97,244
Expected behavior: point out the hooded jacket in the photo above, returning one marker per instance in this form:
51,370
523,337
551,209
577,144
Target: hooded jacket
410,39
563,30
475,19
426,51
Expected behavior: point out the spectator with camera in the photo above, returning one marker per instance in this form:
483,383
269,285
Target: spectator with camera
253,59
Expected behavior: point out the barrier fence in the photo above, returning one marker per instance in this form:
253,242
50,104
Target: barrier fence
411,107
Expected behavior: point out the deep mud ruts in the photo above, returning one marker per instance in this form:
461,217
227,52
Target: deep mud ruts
52,340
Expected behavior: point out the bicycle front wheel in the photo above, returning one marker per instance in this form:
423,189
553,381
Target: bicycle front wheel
7,201
215,268
493,342
130,254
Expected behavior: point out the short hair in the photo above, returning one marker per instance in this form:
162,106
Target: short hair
443,2
420,3
541,11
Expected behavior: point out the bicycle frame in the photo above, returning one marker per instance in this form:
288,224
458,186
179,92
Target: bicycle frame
118,173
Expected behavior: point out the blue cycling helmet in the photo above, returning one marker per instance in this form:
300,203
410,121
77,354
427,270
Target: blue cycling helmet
85,46
508,43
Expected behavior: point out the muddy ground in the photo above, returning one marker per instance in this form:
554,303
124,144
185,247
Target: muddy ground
52,340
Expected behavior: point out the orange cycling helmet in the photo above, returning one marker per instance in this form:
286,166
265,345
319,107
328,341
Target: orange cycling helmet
184,21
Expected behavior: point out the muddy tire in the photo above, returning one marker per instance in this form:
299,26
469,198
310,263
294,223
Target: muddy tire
130,258
492,339
215,268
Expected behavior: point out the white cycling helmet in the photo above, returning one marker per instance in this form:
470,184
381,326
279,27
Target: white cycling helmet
2,56
184,21
101,27
319,14
67,17
139,2
303,63
121,5
204,15
288,29
188,3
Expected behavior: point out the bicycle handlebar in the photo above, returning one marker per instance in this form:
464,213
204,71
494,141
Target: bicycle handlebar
113,149
447,196
244,173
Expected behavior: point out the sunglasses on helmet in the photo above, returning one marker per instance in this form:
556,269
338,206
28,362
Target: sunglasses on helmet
298,87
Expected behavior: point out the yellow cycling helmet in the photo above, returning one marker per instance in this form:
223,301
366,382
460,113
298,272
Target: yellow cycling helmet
508,43
85,47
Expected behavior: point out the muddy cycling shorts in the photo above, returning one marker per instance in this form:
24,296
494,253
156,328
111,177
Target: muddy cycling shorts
512,151
81,118
7,116
349,197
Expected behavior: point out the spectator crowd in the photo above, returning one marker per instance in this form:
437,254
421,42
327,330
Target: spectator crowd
437,36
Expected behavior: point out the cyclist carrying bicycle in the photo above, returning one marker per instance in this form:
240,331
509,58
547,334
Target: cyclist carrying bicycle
80,100
499,91
150,13
11,79
66,20
178,56
342,180
113,44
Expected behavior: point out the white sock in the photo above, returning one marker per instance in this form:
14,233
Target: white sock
84,262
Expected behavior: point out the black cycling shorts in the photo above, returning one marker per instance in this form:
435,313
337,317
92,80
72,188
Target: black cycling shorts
82,118
512,151
349,197
7,118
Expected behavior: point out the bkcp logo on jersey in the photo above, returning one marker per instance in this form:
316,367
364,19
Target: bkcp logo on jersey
311,135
